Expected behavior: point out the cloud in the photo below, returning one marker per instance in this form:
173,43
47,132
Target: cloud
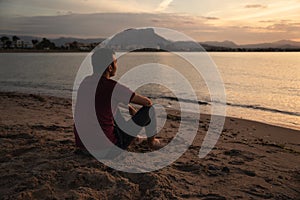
163,5
266,21
101,25
210,18
285,27
255,6
50,8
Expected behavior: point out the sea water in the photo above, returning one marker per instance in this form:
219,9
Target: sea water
260,86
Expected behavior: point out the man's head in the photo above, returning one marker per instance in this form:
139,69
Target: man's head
104,61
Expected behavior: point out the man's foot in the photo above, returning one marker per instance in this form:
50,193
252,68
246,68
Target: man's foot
138,140
155,143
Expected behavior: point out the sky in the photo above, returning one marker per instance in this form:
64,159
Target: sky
244,22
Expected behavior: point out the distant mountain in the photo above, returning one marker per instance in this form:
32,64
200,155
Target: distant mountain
140,39
131,39
185,46
287,44
284,44
226,43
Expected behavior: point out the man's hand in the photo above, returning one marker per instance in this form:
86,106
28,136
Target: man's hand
132,110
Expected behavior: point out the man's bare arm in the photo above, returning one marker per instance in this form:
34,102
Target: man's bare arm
141,100
132,110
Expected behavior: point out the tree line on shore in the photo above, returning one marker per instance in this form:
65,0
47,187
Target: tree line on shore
15,43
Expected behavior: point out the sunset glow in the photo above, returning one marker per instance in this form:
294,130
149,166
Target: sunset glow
243,21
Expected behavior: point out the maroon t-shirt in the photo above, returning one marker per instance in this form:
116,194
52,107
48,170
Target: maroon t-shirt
106,104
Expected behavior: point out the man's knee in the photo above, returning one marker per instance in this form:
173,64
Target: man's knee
142,117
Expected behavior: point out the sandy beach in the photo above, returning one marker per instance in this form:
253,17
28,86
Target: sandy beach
38,160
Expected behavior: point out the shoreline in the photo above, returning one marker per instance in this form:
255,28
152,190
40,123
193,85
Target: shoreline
295,128
251,160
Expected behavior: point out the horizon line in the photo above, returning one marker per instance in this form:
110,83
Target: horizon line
104,38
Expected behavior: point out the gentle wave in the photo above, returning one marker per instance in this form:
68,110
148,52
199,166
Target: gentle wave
255,107
31,85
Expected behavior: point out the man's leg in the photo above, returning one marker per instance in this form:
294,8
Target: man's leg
142,118
123,139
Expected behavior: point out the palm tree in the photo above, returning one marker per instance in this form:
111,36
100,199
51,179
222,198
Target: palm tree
15,38
45,44
5,41
34,42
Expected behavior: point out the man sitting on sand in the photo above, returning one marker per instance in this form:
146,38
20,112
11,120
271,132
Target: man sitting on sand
106,104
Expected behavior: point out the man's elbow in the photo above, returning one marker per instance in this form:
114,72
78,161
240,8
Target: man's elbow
148,102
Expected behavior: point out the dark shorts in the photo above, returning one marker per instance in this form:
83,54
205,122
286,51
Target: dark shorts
141,118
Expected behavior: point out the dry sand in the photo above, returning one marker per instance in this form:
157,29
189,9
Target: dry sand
37,161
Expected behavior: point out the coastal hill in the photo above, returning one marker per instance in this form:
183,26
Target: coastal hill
278,44
137,38
226,43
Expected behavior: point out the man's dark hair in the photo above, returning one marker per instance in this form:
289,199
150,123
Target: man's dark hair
101,59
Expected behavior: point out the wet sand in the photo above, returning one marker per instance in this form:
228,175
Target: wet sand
38,160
